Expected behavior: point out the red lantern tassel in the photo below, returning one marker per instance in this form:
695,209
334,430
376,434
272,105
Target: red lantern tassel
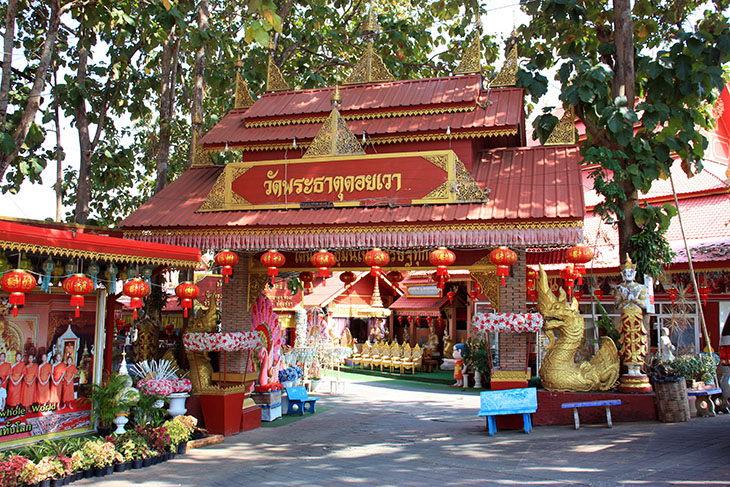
323,272
77,300
17,299
442,271
15,311
77,313
134,313
227,271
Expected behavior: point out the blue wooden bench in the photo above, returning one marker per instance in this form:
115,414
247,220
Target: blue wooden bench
576,405
509,401
299,401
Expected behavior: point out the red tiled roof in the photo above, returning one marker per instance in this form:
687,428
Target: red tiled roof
383,104
526,184
418,306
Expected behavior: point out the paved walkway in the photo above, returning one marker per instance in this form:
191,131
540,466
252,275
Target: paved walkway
379,435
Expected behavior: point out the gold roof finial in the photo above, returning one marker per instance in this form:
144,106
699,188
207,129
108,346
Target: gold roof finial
274,79
336,97
376,301
334,138
369,69
371,26
507,76
200,155
242,95
471,62
564,131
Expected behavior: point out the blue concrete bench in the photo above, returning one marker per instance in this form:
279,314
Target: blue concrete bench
509,401
587,404
299,401
704,402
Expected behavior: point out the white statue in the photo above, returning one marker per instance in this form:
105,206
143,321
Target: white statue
666,346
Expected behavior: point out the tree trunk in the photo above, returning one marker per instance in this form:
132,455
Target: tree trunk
198,78
59,157
624,69
34,98
624,84
7,59
165,107
83,186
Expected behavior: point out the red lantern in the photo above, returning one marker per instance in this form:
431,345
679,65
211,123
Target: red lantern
672,292
598,293
579,255
450,295
395,277
187,291
578,294
120,325
442,258
17,283
168,328
77,286
569,274
348,277
502,257
273,260
376,259
476,290
324,260
400,320
307,278
226,259
137,289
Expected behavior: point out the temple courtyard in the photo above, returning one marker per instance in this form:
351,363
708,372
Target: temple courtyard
385,433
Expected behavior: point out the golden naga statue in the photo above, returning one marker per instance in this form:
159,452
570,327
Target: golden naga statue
201,371
559,371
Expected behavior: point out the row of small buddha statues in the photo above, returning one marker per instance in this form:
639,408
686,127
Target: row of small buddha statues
393,356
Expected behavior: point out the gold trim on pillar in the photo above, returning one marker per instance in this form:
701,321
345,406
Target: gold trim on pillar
256,285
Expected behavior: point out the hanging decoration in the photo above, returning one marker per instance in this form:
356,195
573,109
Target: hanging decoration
442,258
17,283
395,277
130,273
569,275
704,290
482,323
451,295
47,267
70,268
137,290
111,274
307,277
324,260
146,273
93,272
226,260
598,293
476,290
376,259
579,255
502,257
273,260
78,285
348,277
187,291
4,264
531,290
25,263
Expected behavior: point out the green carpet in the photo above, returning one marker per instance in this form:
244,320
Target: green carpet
285,420
377,379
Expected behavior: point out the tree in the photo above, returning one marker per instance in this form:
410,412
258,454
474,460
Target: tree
643,83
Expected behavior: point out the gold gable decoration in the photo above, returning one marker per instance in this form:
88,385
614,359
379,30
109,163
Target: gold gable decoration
466,189
334,138
507,76
369,69
564,131
274,79
243,98
371,23
200,156
471,62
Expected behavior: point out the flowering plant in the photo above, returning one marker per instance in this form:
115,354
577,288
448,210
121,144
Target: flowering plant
221,342
30,474
80,460
50,468
160,387
291,373
11,470
270,387
514,322
178,430
100,453
157,438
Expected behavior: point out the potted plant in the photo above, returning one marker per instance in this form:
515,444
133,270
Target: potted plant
476,358
698,370
108,400
179,432
82,463
30,474
11,470
101,456
158,439
671,392
290,376
50,470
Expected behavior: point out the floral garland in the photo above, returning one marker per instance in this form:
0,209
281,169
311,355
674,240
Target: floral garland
482,323
165,387
221,342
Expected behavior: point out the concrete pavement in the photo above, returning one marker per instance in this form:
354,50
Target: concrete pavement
384,435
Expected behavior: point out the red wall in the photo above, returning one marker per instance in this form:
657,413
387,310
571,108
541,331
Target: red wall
633,407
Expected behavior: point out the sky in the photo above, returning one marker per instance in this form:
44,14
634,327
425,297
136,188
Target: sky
38,201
